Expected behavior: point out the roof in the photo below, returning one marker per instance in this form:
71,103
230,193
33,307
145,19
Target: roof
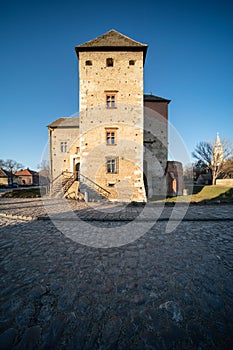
25,172
153,98
4,173
65,122
114,41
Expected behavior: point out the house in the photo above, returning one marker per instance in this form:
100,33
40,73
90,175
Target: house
27,177
119,143
5,178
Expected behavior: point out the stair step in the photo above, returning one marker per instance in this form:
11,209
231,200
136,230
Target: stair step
93,195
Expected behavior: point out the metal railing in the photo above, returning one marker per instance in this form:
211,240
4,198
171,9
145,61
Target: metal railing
101,190
61,183
65,179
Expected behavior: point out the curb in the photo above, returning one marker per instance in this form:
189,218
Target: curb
19,217
47,218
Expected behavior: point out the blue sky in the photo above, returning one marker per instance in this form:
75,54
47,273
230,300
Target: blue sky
189,60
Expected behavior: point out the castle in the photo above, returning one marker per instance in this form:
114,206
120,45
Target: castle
118,146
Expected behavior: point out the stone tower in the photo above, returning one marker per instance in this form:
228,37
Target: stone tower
118,145
111,114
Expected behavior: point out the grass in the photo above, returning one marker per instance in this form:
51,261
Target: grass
23,193
218,194
210,194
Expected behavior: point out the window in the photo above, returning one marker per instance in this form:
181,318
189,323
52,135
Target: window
88,63
112,165
111,136
64,147
111,98
109,62
131,62
110,101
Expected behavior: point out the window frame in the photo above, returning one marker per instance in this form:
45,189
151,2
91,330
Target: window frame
111,137
112,165
64,146
111,99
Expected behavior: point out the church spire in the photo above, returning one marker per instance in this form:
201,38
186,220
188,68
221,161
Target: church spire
217,150
217,140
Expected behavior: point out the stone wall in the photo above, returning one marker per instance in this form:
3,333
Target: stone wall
60,160
224,182
125,82
155,148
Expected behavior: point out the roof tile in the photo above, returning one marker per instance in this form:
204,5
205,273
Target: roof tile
111,39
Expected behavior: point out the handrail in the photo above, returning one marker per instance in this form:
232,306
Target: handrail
62,173
56,178
67,180
99,188
94,183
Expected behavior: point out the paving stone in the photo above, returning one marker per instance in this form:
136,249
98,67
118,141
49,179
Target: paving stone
7,339
111,331
173,309
162,291
31,339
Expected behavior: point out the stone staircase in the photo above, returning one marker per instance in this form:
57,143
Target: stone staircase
90,194
61,184
91,190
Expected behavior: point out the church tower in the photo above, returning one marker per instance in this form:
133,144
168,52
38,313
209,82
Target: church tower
111,114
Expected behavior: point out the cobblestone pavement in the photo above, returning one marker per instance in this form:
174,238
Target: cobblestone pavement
34,208
162,291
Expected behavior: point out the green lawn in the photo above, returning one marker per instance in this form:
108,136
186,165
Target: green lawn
207,194
23,193
200,194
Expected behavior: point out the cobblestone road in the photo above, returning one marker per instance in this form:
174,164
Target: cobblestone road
162,291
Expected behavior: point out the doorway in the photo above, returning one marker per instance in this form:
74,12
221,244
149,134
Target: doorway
77,171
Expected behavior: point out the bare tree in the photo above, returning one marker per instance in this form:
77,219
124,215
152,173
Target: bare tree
228,168
203,153
44,173
44,165
12,166
188,173
213,156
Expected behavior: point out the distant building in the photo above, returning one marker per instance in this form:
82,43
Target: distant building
119,143
27,177
5,177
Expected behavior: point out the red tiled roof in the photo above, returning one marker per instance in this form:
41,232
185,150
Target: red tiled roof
25,172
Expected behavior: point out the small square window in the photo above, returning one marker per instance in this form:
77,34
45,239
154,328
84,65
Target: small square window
131,62
109,62
88,63
110,101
